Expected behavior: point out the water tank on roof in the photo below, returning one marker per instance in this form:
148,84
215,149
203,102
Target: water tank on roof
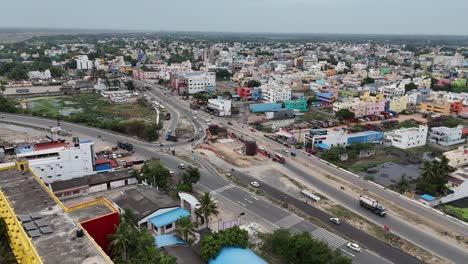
250,147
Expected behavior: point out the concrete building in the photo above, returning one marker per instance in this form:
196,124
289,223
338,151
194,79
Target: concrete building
220,106
83,63
361,108
273,92
38,75
446,136
56,162
193,82
406,138
458,157
438,107
299,104
325,139
399,104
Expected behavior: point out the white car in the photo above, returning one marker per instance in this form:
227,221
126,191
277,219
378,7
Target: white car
255,184
285,150
354,246
181,166
171,173
200,129
262,148
335,220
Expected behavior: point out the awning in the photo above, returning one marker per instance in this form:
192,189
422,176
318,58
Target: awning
322,146
167,240
169,217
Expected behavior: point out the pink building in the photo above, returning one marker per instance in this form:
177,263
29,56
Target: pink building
245,93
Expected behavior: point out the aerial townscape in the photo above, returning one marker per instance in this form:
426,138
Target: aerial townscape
191,142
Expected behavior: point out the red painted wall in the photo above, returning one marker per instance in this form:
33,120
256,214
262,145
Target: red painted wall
100,228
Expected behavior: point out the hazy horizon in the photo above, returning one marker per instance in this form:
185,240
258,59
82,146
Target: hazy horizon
417,17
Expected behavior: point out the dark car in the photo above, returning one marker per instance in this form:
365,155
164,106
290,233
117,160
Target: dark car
229,123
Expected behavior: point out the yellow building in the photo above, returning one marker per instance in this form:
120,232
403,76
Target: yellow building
436,107
371,99
399,104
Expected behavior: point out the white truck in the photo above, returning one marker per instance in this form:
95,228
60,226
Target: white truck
372,205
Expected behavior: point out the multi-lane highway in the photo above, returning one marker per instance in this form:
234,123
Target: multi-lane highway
430,241
240,200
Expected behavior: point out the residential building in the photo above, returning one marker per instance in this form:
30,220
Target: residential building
458,157
361,107
279,119
269,107
273,92
392,91
38,75
437,106
220,106
153,209
326,98
59,161
83,63
245,93
406,138
399,104
446,136
457,182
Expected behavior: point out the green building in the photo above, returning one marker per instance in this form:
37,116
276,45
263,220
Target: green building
348,93
384,71
299,104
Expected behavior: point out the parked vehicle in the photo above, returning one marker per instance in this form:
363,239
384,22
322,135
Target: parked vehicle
309,195
181,166
293,154
372,205
335,220
125,145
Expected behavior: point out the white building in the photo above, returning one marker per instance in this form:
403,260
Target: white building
196,82
83,63
62,163
458,157
38,75
406,138
272,93
222,107
446,136
457,182
392,91
341,66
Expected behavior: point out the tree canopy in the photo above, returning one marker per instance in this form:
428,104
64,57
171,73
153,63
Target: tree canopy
434,175
153,172
301,249
212,244
344,114
367,80
253,83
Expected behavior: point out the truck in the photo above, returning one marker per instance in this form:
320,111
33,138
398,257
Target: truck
125,145
279,158
372,205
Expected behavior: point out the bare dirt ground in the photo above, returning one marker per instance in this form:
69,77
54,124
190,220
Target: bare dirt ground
231,153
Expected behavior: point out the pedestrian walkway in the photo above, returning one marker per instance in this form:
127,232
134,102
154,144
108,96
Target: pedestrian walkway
289,221
222,189
331,239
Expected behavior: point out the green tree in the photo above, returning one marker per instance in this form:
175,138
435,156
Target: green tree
154,172
311,100
253,83
115,83
8,105
207,208
403,184
185,228
119,241
227,95
410,86
223,74
130,85
80,73
212,244
367,80
190,177
201,98
56,72
2,86
434,176
129,217
344,114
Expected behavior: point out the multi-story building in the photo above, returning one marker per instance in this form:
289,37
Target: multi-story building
144,75
326,98
361,107
273,92
83,63
458,157
406,138
392,91
59,161
299,104
437,106
325,139
220,106
245,93
193,82
446,136
38,75
399,104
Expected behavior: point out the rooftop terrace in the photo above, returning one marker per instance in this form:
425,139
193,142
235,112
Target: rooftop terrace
27,196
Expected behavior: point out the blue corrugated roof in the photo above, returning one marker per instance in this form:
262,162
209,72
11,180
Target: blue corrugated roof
233,255
169,217
428,197
167,240
322,146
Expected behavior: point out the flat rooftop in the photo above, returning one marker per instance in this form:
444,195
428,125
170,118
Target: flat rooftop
89,212
27,196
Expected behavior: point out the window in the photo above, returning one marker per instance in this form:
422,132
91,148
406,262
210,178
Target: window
58,175
76,157
76,192
169,226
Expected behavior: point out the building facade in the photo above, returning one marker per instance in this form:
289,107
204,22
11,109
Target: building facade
220,106
446,136
272,93
406,138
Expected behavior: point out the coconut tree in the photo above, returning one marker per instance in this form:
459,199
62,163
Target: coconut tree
427,171
403,184
120,240
207,207
129,217
185,228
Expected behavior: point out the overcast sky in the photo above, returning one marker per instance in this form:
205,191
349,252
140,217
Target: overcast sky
290,16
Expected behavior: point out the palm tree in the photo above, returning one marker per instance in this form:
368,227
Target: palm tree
2,86
402,184
129,217
207,207
166,259
185,228
120,240
427,170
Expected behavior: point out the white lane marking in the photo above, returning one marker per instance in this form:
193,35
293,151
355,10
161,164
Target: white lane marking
241,203
331,239
248,200
345,251
254,197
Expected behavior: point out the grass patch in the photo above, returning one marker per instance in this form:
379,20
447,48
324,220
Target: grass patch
314,115
341,212
293,181
187,159
460,213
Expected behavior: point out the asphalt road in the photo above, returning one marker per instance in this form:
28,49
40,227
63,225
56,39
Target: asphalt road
397,225
255,208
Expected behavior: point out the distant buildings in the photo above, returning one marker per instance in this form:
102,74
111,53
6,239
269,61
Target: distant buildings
406,138
220,106
193,82
83,63
273,92
38,75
